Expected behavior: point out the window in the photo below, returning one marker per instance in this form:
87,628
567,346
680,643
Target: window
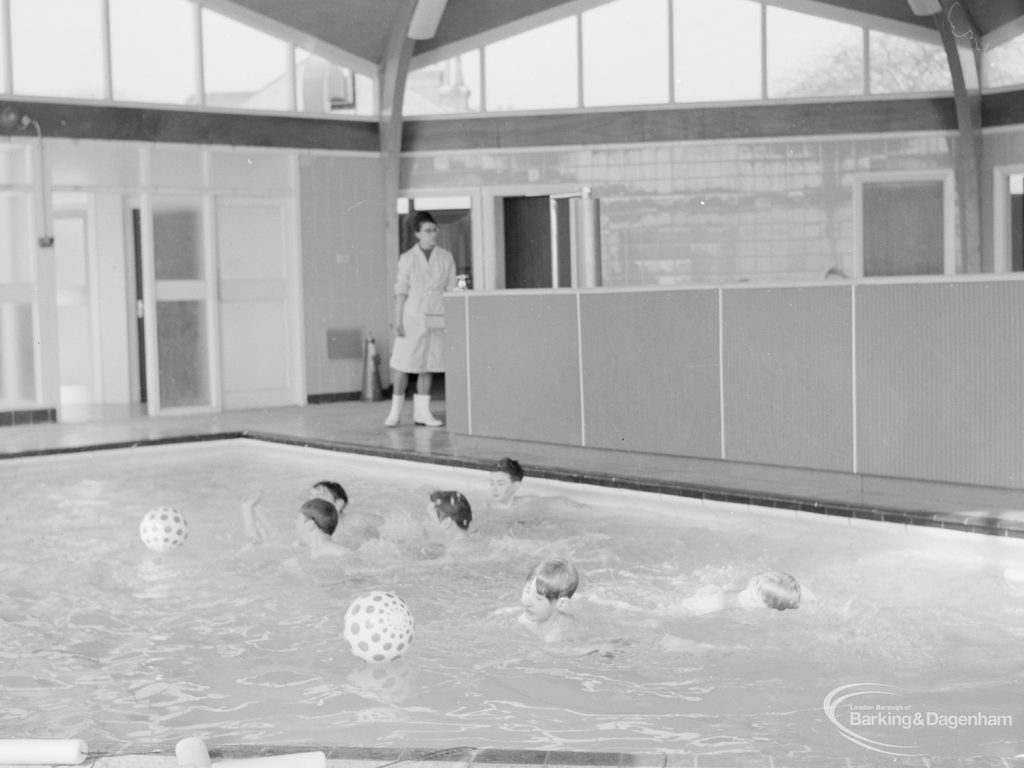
153,51
901,65
3,54
811,56
715,66
322,86
625,53
448,87
534,70
1003,65
42,48
243,67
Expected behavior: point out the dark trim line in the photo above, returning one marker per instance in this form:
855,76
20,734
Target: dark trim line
332,397
116,123
763,120
32,416
1001,109
989,524
122,444
682,124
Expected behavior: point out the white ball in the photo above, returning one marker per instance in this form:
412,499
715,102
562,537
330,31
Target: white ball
378,626
163,529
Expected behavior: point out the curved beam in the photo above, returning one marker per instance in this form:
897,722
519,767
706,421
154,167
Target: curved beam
962,41
392,72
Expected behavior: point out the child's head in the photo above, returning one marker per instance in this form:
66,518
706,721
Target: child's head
554,578
328,490
773,589
549,586
323,514
452,505
506,475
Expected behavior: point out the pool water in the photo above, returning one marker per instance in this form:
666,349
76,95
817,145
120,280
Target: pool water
129,649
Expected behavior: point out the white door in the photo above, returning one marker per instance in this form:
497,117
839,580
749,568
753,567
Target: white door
79,374
256,310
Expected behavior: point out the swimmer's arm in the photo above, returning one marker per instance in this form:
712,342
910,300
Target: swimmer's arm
254,534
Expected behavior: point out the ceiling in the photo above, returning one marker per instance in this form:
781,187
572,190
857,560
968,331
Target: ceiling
360,27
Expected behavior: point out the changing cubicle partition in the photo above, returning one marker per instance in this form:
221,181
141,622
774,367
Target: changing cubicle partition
918,380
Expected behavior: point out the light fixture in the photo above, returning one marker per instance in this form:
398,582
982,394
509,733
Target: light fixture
925,7
425,19
11,119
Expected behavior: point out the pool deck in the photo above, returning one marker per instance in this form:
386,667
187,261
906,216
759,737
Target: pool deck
357,427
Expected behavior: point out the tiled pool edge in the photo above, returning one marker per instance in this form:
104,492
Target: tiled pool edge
989,524
466,757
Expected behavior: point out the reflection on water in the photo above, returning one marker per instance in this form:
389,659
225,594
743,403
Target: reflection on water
105,640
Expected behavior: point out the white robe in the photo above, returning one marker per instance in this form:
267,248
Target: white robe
424,282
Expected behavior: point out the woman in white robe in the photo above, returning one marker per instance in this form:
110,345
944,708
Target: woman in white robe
425,272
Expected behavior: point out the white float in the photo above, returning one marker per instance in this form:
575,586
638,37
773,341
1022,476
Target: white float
42,751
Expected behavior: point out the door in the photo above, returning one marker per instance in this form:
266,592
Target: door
180,376
138,376
527,242
76,322
1017,222
538,242
253,238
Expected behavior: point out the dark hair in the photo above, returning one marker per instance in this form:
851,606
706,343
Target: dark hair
322,513
334,489
420,218
454,505
510,467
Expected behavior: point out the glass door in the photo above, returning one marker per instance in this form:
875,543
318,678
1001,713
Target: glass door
181,301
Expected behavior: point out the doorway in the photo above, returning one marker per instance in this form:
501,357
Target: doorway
454,217
538,241
139,345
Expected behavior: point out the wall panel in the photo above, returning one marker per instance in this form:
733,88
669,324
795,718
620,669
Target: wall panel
940,368
650,371
344,283
524,366
787,376
456,381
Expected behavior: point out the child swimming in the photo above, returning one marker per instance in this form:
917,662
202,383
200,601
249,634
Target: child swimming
549,587
328,490
449,515
769,589
505,478
315,524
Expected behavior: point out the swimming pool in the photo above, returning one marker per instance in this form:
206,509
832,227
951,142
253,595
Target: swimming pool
134,650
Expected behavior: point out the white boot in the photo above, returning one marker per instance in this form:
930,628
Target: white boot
421,412
396,411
